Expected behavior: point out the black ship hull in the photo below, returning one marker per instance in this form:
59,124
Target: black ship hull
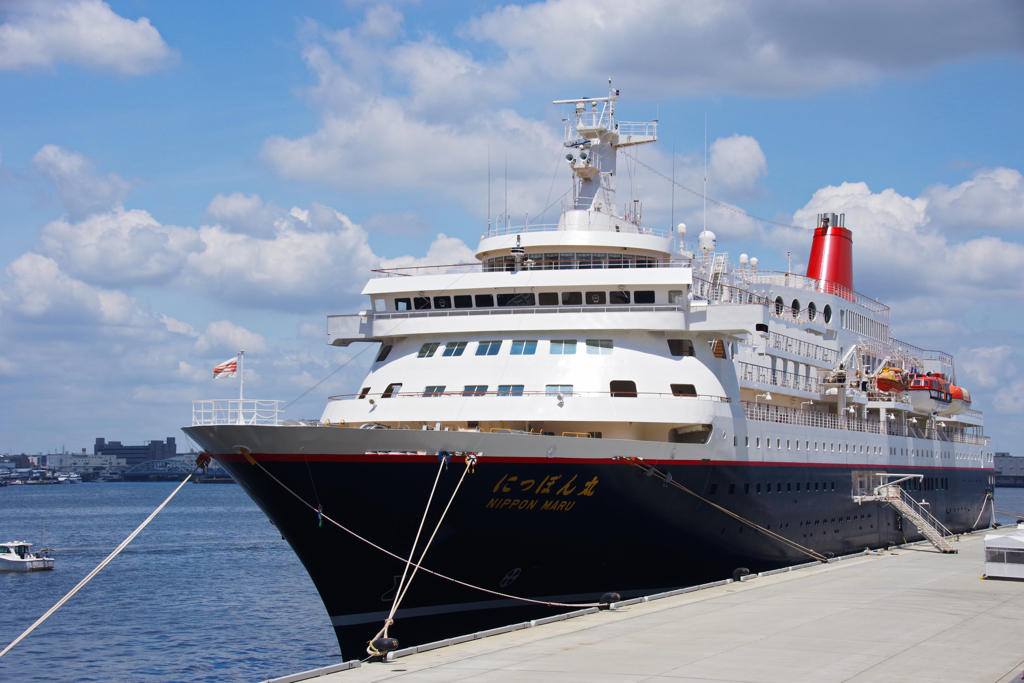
556,529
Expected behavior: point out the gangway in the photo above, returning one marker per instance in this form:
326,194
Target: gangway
890,493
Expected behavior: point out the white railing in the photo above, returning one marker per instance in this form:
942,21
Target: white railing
233,411
778,378
803,348
810,284
506,310
642,128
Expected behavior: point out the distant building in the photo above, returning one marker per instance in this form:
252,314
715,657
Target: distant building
133,455
83,462
1009,470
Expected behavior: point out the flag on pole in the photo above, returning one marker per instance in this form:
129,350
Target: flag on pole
226,369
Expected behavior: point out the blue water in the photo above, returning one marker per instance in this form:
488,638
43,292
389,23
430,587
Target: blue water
207,592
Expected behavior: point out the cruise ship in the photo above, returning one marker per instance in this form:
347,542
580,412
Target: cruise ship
597,406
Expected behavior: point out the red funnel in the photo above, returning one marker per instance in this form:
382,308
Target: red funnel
832,253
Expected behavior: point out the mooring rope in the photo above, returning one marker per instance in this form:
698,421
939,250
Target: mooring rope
983,506
653,471
253,461
100,566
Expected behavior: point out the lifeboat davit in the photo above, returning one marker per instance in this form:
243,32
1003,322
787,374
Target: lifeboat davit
961,402
891,380
930,394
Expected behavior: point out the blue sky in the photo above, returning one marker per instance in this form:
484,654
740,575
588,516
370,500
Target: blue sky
156,161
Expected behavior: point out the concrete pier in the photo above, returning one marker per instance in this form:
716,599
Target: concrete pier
911,614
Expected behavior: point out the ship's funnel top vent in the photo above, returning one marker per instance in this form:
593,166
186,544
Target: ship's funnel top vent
832,251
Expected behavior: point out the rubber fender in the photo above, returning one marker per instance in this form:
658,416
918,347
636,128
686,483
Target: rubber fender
739,573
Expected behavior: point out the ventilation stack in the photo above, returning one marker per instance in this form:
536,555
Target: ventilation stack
832,254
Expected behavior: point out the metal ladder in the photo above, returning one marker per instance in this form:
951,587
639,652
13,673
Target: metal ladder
926,524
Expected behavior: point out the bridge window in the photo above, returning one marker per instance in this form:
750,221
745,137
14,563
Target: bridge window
643,297
421,303
520,299
442,302
484,300
622,388
572,298
403,304
683,389
675,296
618,297
596,298
548,298
463,301
488,348
563,347
680,347
524,347
380,305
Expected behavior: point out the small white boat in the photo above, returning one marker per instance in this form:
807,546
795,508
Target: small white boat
74,478
16,556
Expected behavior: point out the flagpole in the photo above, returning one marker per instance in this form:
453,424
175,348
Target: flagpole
241,376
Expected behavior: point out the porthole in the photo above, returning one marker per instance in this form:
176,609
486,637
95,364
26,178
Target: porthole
827,311
795,307
812,311
779,305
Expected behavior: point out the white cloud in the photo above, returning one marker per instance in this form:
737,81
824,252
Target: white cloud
38,35
40,290
177,326
80,188
737,163
224,336
987,367
247,214
993,199
1010,399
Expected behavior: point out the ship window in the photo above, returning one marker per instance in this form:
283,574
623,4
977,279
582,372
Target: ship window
759,487
778,487
524,348
442,302
675,296
815,486
757,444
795,307
798,483
454,349
403,304
778,443
618,297
384,351
768,443
746,442
556,389
732,489
363,392
563,347
644,297
380,305
427,350
779,306
510,390
421,303
572,298
683,389
798,444
433,391
548,298
828,314
599,347
812,311
463,301
474,390
520,299
833,485
596,298
787,445
680,347
714,489
392,390
484,300
623,388
488,348
746,488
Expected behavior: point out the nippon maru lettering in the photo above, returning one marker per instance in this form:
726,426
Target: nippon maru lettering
642,416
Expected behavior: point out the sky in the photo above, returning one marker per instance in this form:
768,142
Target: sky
182,180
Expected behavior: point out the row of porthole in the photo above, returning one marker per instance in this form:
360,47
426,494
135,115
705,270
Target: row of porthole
812,309
871,450
782,526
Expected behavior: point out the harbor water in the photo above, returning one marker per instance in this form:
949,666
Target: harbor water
208,592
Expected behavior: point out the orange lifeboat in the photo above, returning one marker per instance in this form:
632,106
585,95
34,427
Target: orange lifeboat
891,380
930,394
961,402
